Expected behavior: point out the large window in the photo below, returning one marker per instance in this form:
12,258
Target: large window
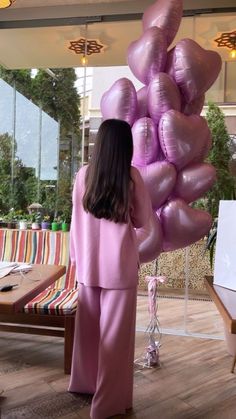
39,143
230,90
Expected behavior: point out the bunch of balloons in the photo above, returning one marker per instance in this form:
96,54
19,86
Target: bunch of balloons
171,139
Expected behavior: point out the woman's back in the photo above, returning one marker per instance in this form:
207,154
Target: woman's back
105,252
109,201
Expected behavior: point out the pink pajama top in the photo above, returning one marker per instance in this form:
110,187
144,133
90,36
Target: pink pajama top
106,253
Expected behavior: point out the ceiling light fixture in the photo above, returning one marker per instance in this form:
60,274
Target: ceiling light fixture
84,60
228,40
6,3
86,47
233,52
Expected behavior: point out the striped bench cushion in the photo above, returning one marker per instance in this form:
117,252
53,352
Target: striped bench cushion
46,247
54,302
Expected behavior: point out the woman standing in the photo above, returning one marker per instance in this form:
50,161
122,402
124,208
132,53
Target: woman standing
109,200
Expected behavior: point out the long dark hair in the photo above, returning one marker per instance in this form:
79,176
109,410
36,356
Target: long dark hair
107,181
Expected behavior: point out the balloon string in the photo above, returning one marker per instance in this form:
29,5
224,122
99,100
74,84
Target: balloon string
153,329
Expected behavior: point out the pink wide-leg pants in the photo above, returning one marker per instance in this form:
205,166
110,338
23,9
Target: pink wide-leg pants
103,353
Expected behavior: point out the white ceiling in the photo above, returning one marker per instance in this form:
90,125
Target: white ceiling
46,3
187,3
41,47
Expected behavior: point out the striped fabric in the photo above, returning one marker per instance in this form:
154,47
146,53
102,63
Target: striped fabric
53,302
46,247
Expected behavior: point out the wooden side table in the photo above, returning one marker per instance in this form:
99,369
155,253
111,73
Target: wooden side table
225,301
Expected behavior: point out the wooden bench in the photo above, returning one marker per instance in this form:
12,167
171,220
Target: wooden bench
225,301
52,312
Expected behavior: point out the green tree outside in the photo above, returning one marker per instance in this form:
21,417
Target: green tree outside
20,78
58,97
219,157
17,196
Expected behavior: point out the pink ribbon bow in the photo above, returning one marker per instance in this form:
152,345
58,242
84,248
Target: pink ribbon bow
153,281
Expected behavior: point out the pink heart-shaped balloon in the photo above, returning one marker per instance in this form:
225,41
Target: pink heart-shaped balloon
194,107
194,181
147,56
182,138
150,239
183,225
163,95
166,15
159,178
145,140
142,109
120,101
195,69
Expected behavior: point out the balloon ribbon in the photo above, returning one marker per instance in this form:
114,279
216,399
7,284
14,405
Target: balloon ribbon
152,350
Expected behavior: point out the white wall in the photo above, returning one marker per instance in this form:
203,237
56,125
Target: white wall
104,77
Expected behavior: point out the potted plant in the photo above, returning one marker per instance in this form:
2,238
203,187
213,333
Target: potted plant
3,223
10,219
56,224
46,224
66,219
23,222
36,219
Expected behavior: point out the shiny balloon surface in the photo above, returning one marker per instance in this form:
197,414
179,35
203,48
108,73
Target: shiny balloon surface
171,139
145,140
162,96
147,56
120,101
165,14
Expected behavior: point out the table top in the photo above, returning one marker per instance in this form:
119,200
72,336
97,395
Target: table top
30,285
225,300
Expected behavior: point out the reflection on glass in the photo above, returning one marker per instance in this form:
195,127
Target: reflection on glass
49,148
35,135
216,92
27,131
6,108
230,95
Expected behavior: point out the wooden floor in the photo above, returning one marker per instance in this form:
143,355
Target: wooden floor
194,380
201,316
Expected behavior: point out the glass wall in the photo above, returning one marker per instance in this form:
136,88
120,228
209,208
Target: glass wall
33,138
39,155
224,88
230,88
216,93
